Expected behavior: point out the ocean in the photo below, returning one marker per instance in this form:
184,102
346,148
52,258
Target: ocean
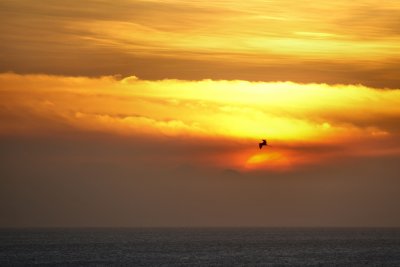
200,247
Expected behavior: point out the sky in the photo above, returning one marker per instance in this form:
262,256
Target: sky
149,113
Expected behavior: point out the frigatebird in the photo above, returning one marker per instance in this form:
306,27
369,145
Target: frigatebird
264,143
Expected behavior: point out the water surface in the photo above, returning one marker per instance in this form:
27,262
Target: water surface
200,247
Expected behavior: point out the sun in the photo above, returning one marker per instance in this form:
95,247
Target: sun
273,160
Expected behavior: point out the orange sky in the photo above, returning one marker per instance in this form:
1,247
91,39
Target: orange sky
351,42
185,87
357,119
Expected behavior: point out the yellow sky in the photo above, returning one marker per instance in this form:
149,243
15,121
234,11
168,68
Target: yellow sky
305,123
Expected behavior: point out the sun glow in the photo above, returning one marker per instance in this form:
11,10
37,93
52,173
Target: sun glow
268,160
292,116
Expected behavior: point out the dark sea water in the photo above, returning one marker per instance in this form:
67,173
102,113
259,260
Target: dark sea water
200,247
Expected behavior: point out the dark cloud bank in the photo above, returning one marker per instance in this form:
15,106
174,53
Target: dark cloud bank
100,180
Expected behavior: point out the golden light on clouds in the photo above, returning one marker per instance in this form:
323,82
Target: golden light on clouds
349,42
305,123
301,74
305,30
149,113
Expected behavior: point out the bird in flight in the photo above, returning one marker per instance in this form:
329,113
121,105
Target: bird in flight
263,143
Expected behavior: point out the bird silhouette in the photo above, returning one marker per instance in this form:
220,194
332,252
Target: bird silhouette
264,143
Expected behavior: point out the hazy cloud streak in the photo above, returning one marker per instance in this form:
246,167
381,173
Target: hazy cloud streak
341,42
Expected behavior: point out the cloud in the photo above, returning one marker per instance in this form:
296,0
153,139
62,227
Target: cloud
341,42
307,123
112,151
176,145
86,180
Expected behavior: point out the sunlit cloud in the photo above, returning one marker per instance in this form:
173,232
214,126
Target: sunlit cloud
305,123
347,42
150,112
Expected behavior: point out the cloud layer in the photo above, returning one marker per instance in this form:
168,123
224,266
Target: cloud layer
306,123
83,142
79,151
343,42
